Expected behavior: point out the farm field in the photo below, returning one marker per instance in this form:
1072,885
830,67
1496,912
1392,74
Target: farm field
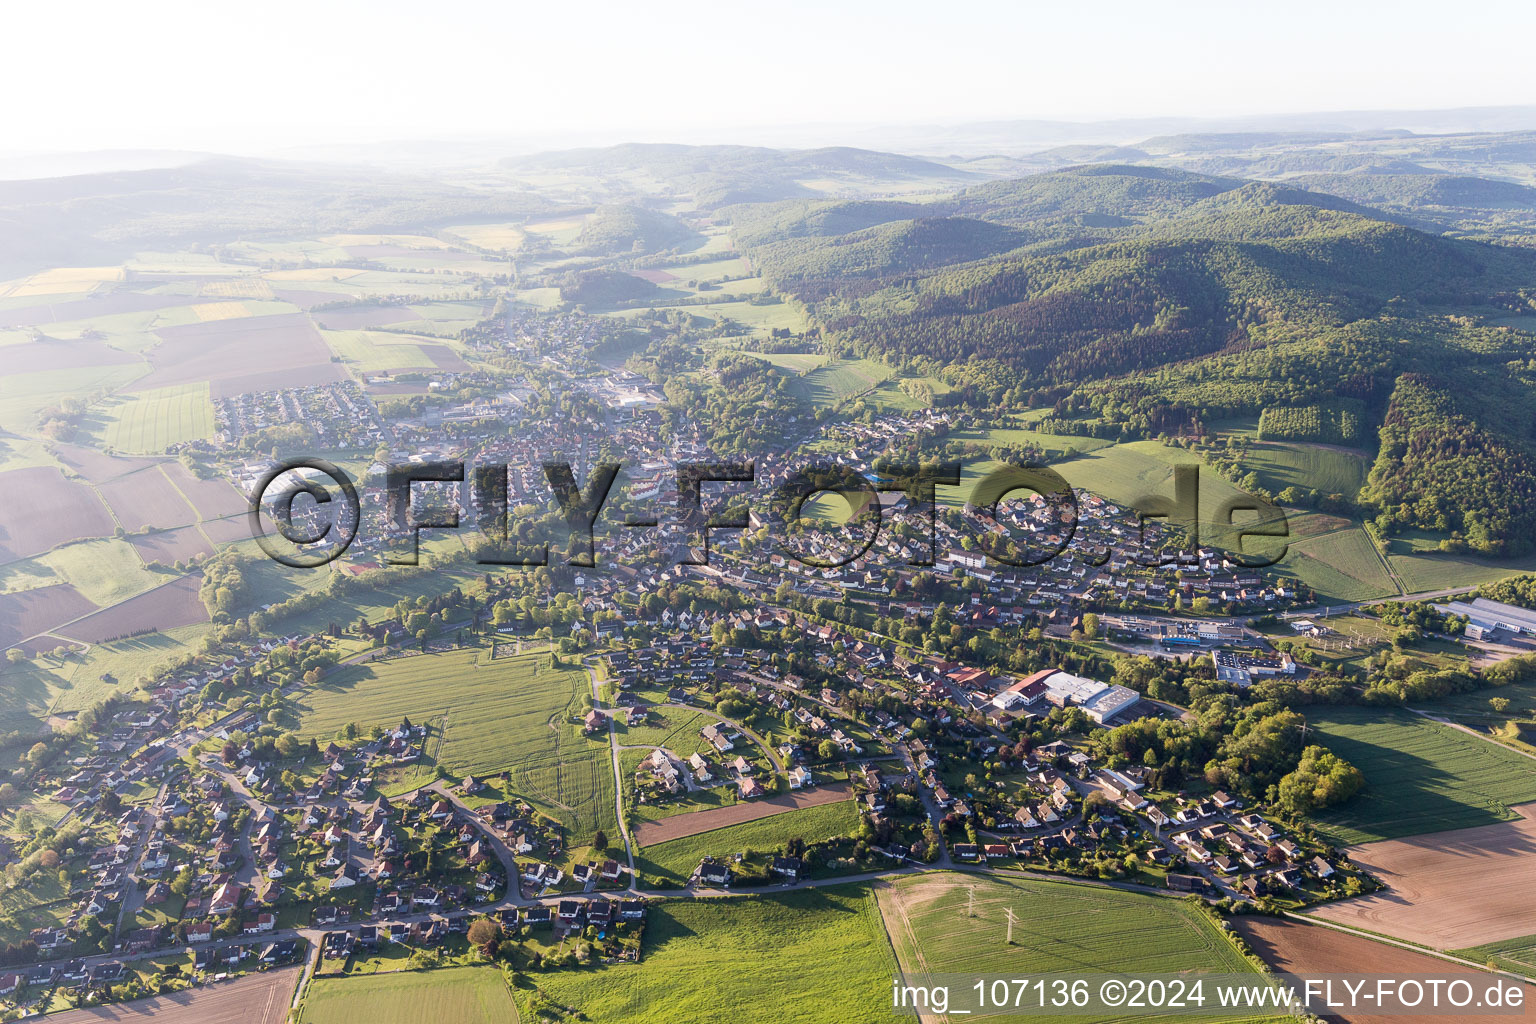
254,999
680,826
892,395
150,421
57,509
675,860
465,995
1330,470
106,570
1448,889
1058,444
1341,566
834,381
168,606
1420,776
1300,948
511,713
1518,955
257,998
1423,567
1126,473
805,957
1059,926
369,351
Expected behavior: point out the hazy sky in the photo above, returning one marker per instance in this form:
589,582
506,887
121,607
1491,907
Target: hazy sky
211,74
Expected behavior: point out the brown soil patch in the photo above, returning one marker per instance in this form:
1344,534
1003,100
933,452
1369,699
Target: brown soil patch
211,498
254,999
37,356
172,546
236,356
1449,890
680,826
1313,949
44,509
38,611
146,500
358,318
166,607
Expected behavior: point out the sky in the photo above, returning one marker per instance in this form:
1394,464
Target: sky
250,78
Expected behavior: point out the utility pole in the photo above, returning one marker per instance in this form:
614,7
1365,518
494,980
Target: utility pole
970,901
1009,912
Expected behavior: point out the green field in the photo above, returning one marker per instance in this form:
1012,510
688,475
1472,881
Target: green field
106,570
1518,955
464,995
812,956
1282,464
511,713
376,350
150,421
831,383
891,396
1058,927
1341,566
676,859
1419,776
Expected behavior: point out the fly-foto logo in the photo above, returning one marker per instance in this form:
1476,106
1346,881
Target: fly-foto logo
324,528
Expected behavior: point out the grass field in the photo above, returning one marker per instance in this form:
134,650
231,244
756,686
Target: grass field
1419,776
1059,927
369,351
806,957
1281,464
150,421
1341,566
106,570
464,995
510,713
675,860
890,396
832,382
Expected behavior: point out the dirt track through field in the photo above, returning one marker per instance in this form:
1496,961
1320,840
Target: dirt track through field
680,826
1449,890
254,999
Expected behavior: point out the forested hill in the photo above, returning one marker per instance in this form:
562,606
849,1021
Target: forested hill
1139,299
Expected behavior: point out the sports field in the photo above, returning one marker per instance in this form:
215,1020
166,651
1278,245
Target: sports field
1419,776
511,713
805,957
464,995
947,922
150,421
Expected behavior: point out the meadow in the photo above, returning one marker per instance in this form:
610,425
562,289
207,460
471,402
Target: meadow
1341,565
1419,776
370,351
1281,464
833,382
1058,927
106,570
516,714
812,956
673,861
464,995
